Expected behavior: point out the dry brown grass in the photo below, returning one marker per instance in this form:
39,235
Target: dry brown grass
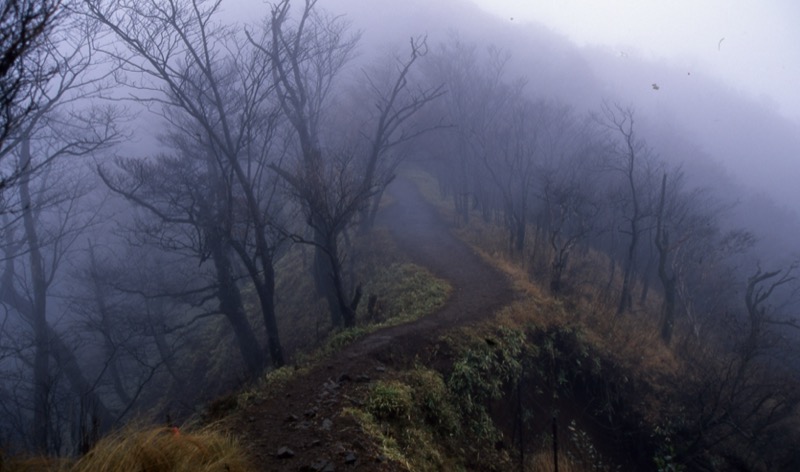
632,340
151,450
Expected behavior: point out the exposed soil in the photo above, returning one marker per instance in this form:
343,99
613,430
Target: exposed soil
305,418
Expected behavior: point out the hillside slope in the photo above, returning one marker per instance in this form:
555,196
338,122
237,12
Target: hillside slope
304,416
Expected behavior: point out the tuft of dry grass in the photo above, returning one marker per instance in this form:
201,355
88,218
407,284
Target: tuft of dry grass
164,449
149,449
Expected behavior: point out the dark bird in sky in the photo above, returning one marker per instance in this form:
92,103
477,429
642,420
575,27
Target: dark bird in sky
656,87
719,44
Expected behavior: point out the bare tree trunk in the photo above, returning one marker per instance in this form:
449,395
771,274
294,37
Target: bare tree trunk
266,295
646,279
324,278
265,289
38,314
369,220
106,324
625,297
264,282
343,311
68,363
668,282
165,352
230,303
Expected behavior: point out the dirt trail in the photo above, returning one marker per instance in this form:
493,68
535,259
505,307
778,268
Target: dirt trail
305,419
421,234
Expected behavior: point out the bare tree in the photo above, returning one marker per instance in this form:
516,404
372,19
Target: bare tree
76,76
476,106
397,107
740,397
569,192
41,156
216,94
679,219
512,169
24,27
50,224
631,158
334,186
194,221
306,59
762,316
132,333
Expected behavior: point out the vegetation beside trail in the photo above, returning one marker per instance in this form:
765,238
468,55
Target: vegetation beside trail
402,292
487,396
152,449
545,379
228,237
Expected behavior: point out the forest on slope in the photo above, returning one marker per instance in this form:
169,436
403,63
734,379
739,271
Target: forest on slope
188,200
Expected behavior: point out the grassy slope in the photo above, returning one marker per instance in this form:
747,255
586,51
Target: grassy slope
455,409
430,419
403,292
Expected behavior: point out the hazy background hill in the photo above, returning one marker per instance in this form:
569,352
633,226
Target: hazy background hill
726,139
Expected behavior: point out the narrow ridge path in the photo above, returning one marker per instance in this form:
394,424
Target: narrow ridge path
420,233
305,419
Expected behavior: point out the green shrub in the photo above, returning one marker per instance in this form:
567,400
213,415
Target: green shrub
434,400
390,400
484,367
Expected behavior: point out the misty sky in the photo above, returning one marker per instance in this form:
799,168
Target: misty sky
719,92
759,55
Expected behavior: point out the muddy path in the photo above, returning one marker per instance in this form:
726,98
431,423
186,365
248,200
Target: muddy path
420,233
305,418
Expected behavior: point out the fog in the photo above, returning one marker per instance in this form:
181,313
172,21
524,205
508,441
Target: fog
742,110
734,100
178,193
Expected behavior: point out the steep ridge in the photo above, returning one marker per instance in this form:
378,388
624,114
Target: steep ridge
300,428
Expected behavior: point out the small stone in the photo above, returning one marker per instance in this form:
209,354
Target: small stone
350,458
327,424
363,378
310,413
321,465
380,368
345,377
291,419
315,443
285,453
304,425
